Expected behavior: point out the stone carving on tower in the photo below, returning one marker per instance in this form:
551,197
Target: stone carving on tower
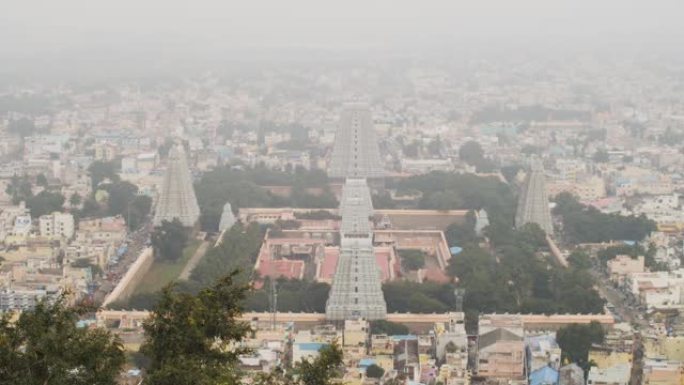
356,290
533,206
177,196
355,151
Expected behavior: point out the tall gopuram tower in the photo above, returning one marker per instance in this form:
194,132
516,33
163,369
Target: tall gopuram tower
177,196
355,151
533,206
356,290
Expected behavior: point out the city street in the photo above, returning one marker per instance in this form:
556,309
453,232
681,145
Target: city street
136,243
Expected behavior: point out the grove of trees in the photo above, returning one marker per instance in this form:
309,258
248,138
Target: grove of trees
242,188
515,279
586,224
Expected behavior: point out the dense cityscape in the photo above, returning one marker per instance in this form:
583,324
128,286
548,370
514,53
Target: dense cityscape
417,218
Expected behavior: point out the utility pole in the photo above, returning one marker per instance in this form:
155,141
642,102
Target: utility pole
274,303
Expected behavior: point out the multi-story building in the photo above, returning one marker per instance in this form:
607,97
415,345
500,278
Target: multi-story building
623,265
56,225
501,348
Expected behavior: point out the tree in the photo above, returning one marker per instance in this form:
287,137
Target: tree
45,203
579,259
190,339
374,371
121,194
471,152
41,180
238,248
600,156
294,295
426,297
412,259
442,200
75,200
510,172
45,346
575,341
137,211
323,370
19,189
100,171
460,234
169,240
23,127
388,327
586,224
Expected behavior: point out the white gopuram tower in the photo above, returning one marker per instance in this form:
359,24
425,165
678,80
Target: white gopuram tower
533,206
177,196
355,151
356,290
227,218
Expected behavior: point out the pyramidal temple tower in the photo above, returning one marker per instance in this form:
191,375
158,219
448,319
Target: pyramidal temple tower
177,196
533,206
355,151
356,290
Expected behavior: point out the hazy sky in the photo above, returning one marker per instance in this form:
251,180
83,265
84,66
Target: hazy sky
302,22
55,29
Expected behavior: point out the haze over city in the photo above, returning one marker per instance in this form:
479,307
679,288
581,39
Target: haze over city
324,192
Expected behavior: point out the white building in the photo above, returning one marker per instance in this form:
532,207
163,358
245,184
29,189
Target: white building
622,265
615,375
657,290
423,166
56,225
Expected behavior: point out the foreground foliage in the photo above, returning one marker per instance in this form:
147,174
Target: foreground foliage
323,370
193,339
190,338
45,346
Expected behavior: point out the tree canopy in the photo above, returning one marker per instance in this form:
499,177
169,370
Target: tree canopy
575,341
412,259
453,191
45,202
243,188
45,346
472,153
514,278
169,240
293,296
322,370
100,171
375,371
426,297
19,188
388,327
586,224
123,199
190,338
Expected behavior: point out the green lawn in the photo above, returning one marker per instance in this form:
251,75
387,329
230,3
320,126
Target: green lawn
161,273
